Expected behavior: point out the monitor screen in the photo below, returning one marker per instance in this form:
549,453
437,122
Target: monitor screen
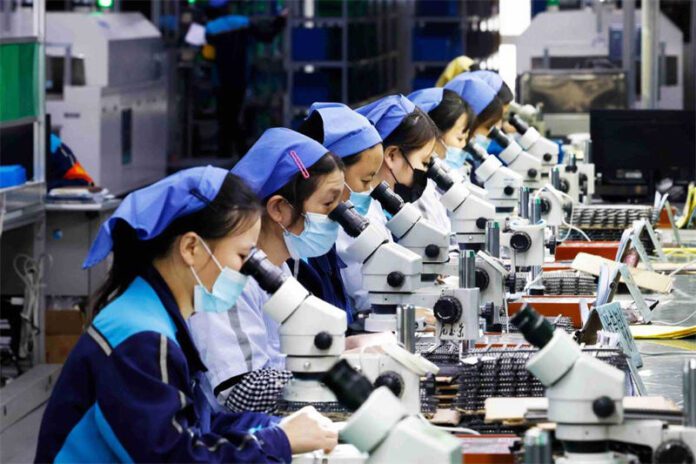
637,151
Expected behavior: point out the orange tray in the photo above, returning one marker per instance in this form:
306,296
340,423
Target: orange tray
567,251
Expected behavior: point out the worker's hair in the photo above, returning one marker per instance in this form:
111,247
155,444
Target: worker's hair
233,210
313,127
487,118
505,94
413,133
299,189
450,109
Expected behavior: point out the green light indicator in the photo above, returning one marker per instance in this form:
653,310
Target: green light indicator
105,4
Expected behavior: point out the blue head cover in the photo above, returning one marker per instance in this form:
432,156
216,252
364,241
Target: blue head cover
387,113
427,99
150,210
491,78
473,90
276,157
345,131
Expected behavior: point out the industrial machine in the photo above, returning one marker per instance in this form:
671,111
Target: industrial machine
106,94
502,183
469,213
585,400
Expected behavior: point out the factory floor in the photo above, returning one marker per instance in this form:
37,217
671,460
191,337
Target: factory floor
661,372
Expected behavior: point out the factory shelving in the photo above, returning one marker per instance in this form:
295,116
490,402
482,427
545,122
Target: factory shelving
343,50
23,141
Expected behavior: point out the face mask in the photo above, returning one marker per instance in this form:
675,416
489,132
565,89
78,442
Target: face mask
455,157
482,140
319,235
226,289
411,193
361,200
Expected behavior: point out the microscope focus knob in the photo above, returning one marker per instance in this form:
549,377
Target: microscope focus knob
545,206
673,451
323,340
482,279
447,310
509,190
392,381
565,186
520,241
396,279
547,157
432,251
481,223
532,173
603,407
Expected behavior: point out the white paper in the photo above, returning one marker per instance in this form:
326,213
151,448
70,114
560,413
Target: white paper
195,35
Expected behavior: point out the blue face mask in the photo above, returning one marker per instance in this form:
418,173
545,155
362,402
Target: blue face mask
361,201
227,288
319,235
455,157
482,140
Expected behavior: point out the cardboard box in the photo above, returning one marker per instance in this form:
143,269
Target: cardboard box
64,322
58,347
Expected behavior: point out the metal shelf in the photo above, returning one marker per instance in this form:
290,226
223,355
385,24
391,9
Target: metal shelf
337,64
19,39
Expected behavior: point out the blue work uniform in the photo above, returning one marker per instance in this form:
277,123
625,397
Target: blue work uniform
132,390
322,277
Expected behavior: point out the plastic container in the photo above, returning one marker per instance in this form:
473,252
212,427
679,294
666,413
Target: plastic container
12,175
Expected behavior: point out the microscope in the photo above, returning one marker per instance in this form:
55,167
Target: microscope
312,331
585,400
555,208
524,237
414,232
491,276
526,165
501,183
469,213
535,144
382,427
569,179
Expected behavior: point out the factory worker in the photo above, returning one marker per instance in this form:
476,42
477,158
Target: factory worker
454,68
133,387
409,138
352,137
299,182
452,116
504,94
487,108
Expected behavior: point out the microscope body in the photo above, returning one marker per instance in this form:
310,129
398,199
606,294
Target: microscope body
383,428
525,242
540,147
469,214
570,181
490,280
553,209
587,181
416,233
526,165
502,183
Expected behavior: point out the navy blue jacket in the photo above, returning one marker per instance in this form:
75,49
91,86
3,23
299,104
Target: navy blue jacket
322,277
131,391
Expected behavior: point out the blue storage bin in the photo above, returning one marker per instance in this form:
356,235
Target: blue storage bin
430,47
437,8
309,88
309,44
11,175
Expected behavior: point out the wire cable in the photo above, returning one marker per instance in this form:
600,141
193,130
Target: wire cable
676,323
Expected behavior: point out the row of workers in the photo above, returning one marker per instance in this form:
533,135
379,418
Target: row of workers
180,363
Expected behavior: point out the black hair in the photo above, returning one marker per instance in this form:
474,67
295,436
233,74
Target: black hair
313,127
489,116
233,209
450,109
298,189
505,94
414,131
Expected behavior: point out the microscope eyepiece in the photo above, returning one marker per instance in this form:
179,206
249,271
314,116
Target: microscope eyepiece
520,126
389,200
258,266
535,328
351,221
350,387
439,175
476,151
500,138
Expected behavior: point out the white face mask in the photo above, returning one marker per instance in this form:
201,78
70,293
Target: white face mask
227,288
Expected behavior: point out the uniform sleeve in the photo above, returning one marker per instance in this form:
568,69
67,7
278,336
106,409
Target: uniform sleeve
144,415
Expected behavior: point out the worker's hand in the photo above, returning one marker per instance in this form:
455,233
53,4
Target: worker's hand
427,314
307,430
